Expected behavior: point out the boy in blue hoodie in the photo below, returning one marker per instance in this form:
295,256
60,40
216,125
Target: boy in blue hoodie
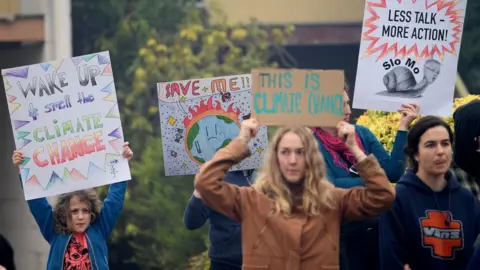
78,227
225,234
434,220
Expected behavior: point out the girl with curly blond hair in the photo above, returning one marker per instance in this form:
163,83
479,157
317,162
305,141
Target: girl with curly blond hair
77,228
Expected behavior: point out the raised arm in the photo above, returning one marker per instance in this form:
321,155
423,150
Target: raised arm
113,203
376,197
217,194
196,213
41,210
112,207
345,182
394,163
220,196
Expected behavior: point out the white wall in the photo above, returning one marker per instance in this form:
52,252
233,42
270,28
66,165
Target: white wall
32,7
16,222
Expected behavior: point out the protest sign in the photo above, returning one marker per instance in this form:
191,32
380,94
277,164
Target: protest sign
65,119
296,96
409,54
200,116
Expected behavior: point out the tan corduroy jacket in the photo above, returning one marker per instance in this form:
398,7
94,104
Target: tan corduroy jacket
271,240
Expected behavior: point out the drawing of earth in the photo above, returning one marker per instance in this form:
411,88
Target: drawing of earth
210,134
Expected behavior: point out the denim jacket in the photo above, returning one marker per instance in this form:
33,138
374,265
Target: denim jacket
97,233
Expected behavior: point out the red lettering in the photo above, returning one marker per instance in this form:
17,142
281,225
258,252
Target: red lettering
38,162
99,146
86,147
233,84
76,147
66,152
219,85
175,89
167,89
53,153
185,88
195,87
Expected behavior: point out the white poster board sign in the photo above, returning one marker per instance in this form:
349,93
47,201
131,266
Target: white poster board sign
65,119
200,116
409,54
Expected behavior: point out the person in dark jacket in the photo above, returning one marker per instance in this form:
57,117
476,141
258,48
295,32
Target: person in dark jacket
359,239
467,157
225,234
475,261
467,146
434,220
7,258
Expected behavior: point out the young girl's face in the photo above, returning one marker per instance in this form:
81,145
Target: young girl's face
79,215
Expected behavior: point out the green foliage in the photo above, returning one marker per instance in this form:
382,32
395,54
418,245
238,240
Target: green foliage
122,27
156,207
197,50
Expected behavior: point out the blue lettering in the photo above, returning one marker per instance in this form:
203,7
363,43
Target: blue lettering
276,80
281,102
320,103
315,79
312,81
58,105
288,80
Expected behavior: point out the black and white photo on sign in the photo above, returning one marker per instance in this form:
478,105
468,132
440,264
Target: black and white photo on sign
409,54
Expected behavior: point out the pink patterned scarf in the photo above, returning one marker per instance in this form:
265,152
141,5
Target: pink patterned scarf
335,147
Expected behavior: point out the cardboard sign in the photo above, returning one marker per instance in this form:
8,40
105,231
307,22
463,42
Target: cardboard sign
297,97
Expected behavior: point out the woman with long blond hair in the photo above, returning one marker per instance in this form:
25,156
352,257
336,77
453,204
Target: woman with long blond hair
291,216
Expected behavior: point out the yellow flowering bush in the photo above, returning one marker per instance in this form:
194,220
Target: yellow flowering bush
385,125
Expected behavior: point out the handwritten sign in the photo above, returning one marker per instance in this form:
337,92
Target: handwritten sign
409,54
198,117
65,119
294,96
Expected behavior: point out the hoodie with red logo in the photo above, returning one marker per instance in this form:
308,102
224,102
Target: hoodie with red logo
429,229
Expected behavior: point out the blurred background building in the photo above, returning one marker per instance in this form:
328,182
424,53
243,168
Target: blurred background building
31,31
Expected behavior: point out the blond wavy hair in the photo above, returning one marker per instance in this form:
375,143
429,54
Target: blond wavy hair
317,195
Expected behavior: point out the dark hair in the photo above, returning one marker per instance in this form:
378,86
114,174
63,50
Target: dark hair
6,254
416,131
346,86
